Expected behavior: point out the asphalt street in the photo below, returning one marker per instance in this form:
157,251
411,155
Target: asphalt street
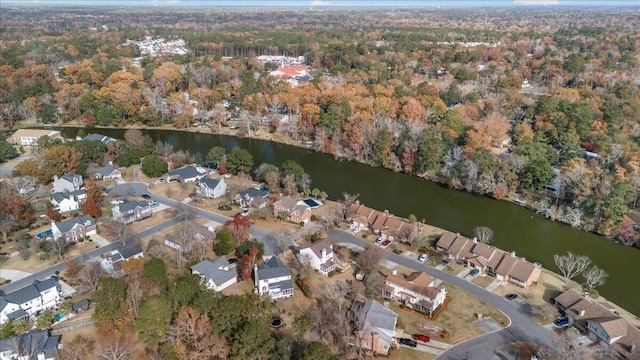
522,327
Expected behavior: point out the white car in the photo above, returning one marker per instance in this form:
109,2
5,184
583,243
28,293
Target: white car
423,258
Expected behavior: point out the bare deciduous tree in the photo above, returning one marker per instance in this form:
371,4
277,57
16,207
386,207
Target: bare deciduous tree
282,239
571,265
58,246
77,349
25,347
183,237
484,234
121,231
544,311
347,200
370,258
115,349
574,217
89,277
595,277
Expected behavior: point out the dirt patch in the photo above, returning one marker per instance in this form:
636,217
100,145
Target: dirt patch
173,190
549,286
157,218
483,281
410,354
32,264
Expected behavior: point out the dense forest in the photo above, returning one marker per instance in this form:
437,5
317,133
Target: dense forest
507,102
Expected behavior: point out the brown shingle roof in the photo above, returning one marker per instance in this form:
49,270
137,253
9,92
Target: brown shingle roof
568,298
460,244
446,240
317,247
377,220
522,270
506,265
632,338
483,250
614,326
420,278
287,203
393,222
416,281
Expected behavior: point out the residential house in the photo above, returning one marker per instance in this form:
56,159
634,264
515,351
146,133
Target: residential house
108,172
37,345
415,290
131,211
253,197
378,328
186,174
298,211
211,188
199,234
600,322
319,255
290,71
102,138
28,137
22,303
217,275
68,201
80,306
273,279
386,225
112,261
506,266
75,228
67,182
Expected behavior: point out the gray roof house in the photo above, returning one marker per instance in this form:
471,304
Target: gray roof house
73,229
253,197
211,188
32,345
217,275
108,172
378,328
67,182
112,262
273,279
40,295
186,174
102,138
68,201
131,211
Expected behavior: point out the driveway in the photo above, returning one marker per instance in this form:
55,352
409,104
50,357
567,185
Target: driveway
522,328
13,275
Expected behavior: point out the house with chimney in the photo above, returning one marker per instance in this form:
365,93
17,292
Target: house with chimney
74,228
600,321
383,223
253,197
415,290
217,275
488,259
22,303
273,279
319,255
378,330
296,210
67,201
211,188
112,261
131,211
37,345
67,183
108,172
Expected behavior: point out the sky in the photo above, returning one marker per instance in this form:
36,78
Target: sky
327,3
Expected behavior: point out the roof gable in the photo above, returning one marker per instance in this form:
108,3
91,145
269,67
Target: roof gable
68,225
273,268
216,271
317,247
187,172
210,183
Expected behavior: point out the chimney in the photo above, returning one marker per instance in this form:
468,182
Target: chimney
632,347
375,338
386,212
475,239
110,162
581,312
513,254
55,178
255,271
394,271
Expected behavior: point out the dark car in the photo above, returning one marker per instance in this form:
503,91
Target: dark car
511,296
561,322
420,337
474,272
145,196
232,261
408,342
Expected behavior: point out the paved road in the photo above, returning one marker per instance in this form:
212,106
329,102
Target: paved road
522,327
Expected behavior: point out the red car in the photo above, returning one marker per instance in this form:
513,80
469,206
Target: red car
386,243
420,337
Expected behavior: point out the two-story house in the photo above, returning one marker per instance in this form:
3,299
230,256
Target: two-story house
319,255
111,262
416,290
75,228
273,279
297,211
252,198
28,137
211,188
37,345
378,328
131,211
186,174
217,275
68,201
67,182
38,296
386,225
102,138
108,172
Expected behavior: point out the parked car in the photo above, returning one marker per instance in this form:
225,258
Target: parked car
145,196
420,337
386,243
379,240
408,342
423,258
154,203
232,261
511,296
162,181
561,322
474,272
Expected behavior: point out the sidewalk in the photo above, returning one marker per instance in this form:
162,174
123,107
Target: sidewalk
13,275
432,347
494,284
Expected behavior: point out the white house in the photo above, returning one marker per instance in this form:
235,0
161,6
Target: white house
319,255
36,345
131,211
217,275
112,261
38,296
67,201
273,279
253,197
67,182
415,290
72,229
211,188
29,137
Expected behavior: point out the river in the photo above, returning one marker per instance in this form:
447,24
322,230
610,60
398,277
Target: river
515,227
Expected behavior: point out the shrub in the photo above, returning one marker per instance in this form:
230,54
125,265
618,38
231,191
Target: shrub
315,237
314,217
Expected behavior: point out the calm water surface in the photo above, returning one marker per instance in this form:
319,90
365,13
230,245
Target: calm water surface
515,227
